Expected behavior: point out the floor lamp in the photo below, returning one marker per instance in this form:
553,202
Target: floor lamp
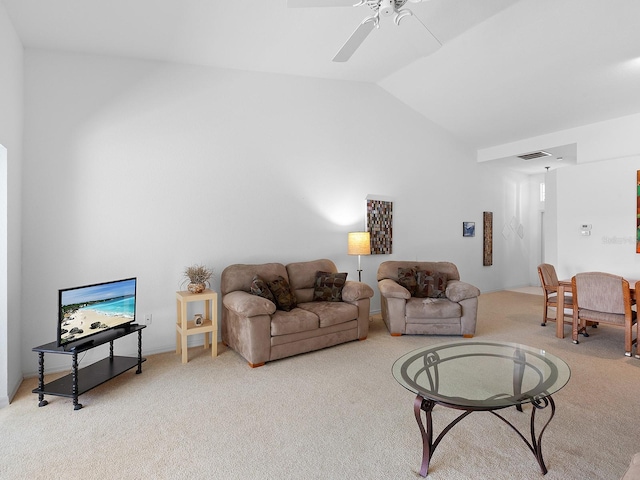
359,243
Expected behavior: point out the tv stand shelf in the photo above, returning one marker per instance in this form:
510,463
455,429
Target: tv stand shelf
82,380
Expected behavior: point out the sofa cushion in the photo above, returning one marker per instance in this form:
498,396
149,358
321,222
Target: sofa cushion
302,277
331,313
259,287
328,286
285,299
389,269
430,284
238,277
407,278
432,308
293,321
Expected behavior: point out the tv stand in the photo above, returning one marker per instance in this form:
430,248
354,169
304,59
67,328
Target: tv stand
82,380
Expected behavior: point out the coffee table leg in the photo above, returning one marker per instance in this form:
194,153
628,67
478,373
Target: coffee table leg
518,372
535,445
426,429
427,433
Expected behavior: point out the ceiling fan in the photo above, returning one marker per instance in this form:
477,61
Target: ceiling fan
381,8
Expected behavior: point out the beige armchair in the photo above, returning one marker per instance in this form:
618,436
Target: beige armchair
451,309
603,298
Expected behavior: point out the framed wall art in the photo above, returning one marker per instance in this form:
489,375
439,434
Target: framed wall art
468,229
487,247
380,225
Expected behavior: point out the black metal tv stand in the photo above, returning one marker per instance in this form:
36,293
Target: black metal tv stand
82,380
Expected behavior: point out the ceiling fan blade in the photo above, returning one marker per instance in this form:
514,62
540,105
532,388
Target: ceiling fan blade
320,3
355,40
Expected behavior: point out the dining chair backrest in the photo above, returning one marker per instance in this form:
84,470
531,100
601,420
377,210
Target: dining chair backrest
603,298
601,292
547,275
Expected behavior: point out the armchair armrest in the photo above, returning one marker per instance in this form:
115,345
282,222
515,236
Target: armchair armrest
353,291
248,305
391,289
457,291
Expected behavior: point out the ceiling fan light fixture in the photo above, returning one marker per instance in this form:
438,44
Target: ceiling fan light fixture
387,8
402,14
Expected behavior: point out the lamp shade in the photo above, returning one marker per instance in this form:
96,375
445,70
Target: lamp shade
359,243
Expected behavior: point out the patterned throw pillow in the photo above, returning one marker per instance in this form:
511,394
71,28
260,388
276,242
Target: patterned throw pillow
439,284
285,298
407,278
259,287
430,284
328,286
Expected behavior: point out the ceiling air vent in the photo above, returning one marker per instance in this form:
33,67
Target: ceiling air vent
533,155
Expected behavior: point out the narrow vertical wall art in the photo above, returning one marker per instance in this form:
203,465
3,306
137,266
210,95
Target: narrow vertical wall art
487,247
638,213
380,225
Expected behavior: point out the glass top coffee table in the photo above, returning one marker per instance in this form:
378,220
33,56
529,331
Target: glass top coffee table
480,376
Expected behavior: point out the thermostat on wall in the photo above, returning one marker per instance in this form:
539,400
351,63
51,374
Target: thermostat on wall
585,229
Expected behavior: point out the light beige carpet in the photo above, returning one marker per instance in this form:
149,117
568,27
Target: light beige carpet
332,414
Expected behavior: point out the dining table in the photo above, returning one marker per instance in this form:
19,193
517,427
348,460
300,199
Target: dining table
564,286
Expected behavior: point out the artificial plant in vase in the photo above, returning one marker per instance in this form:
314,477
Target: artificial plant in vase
198,277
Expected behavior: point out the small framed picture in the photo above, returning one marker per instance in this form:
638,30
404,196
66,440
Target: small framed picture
468,229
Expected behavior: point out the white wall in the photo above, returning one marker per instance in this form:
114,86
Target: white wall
602,194
11,116
535,238
137,168
4,325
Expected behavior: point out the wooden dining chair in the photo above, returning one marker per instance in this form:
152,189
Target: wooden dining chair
550,283
603,298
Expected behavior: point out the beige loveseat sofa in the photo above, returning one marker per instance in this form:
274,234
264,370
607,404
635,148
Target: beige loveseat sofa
448,309
260,332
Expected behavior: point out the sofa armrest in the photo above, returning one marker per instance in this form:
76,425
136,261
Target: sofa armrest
353,291
457,291
248,305
392,289
633,472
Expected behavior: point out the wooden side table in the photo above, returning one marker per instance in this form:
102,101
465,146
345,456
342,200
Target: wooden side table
185,327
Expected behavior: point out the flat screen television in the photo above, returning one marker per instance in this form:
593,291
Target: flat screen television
90,309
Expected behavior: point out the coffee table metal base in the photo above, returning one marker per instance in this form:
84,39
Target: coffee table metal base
429,445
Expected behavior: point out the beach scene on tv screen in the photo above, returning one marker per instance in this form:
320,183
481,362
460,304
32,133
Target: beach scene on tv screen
92,309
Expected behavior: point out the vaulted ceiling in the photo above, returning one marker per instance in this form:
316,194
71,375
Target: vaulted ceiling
507,69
